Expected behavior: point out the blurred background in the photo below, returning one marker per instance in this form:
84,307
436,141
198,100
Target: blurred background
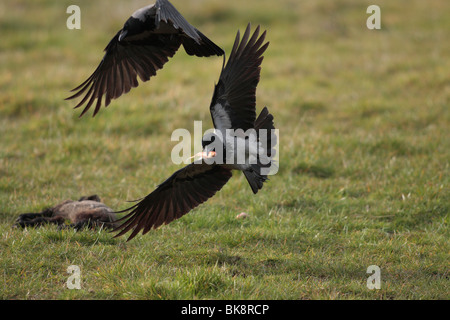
363,114
345,98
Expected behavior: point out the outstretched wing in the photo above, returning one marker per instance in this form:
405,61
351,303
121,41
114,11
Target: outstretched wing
168,13
194,42
234,100
122,63
183,191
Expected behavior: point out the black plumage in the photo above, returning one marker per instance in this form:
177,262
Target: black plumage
235,93
183,191
148,39
232,107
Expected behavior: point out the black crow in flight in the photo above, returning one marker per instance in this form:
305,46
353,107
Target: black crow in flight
232,107
148,39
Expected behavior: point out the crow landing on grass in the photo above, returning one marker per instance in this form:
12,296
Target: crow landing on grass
87,212
148,39
232,107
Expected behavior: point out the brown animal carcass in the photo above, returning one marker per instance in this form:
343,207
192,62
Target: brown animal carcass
87,212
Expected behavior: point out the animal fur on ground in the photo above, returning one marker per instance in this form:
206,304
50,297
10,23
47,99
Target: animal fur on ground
87,212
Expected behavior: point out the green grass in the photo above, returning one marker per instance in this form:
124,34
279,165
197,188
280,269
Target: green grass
364,156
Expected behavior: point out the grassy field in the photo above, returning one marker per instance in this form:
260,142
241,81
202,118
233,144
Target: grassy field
364,155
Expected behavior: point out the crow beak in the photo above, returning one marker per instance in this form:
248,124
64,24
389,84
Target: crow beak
204,155
122,35
208,155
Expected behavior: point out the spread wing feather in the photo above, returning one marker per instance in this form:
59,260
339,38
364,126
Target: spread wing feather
234,101
168,13
141,55
122,63
184,190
